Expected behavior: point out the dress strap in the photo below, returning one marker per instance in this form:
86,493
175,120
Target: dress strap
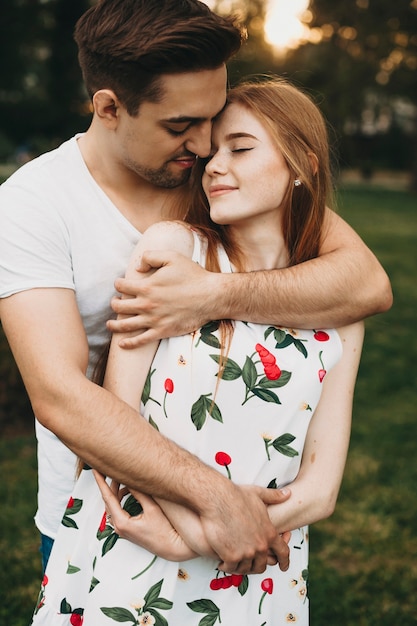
200,251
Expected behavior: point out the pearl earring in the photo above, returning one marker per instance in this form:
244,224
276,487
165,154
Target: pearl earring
297,182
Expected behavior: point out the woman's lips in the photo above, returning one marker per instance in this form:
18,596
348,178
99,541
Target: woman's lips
220,190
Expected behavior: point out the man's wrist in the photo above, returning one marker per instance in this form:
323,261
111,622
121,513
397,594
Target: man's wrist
223,301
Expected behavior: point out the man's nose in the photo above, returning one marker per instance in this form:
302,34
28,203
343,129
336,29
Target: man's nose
199,140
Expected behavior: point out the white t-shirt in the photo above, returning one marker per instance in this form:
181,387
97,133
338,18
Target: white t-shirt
59,229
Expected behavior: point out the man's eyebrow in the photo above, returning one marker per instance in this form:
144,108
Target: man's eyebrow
182,119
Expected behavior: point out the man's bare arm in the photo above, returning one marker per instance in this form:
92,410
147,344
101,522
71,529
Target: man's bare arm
47,338
344,284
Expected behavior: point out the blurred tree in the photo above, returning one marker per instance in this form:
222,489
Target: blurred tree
68,105
365,62
40,84
256,55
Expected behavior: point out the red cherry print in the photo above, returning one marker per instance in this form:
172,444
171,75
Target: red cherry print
169,388
102,526
216,583
222,458
227,582
70,503
237,579
320,335
268,359
322,372
267,585
76,619
169,385
272,372
271,369
44,580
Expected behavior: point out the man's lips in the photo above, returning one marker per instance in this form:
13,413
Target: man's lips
185,162
219,190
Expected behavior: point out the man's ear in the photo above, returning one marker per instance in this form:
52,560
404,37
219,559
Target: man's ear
106,105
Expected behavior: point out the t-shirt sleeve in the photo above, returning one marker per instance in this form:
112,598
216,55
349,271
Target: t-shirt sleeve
34,242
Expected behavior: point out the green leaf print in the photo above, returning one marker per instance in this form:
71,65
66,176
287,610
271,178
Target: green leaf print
74,506
231,370
278,333
152,602
65,607
214,411
109,543
203,606
249,373
152,423
209,620
119,614
274,384
132,506
146,393
159,619
266,395
68,522
72,569
281,445
93,584
300,347
284,339
208,607
243,587
153,594
207,337
203,407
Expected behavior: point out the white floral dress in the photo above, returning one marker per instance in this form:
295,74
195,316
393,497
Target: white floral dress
251,427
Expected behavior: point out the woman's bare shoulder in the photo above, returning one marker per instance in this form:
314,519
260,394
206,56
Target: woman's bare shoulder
169,235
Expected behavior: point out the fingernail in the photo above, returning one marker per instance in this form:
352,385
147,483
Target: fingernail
285,491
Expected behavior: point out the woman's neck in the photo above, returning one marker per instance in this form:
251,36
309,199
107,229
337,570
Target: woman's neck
261,250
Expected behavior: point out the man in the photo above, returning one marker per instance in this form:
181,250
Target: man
155,71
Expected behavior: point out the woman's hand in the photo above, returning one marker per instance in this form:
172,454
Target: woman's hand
151,529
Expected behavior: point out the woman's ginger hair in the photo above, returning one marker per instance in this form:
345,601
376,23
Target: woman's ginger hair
299,131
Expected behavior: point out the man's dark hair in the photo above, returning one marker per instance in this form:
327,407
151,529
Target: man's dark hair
126,45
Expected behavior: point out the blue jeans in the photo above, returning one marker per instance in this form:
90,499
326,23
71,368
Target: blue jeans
45,550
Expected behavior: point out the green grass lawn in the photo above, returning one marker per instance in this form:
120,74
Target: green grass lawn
363,559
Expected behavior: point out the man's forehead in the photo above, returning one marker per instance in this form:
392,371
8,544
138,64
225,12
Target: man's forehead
192,95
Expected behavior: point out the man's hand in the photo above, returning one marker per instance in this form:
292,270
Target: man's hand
154,531
169,302
241,533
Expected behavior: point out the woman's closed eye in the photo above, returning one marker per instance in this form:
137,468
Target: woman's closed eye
241,149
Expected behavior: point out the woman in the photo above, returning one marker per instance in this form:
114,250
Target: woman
265,405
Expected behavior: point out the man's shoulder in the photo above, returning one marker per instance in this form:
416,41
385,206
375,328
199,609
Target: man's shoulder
45,168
